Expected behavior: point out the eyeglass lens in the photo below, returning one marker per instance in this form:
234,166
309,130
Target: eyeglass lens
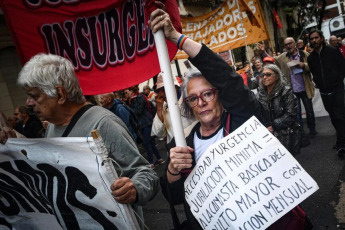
206,96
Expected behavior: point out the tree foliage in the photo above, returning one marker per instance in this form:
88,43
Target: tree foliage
309,11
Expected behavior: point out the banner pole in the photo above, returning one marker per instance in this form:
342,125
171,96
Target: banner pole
244,35
170,92
112,176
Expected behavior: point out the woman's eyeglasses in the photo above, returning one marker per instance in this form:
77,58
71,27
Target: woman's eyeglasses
206,96
266,75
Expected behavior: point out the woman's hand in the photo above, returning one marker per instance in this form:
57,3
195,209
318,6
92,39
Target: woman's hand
180,158
159,19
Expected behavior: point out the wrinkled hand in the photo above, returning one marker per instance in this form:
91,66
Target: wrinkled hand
159,19
180,158
124,191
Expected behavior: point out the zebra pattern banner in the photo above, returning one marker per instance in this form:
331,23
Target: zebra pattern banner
57,183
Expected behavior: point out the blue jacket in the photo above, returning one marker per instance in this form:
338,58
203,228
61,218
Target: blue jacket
120,110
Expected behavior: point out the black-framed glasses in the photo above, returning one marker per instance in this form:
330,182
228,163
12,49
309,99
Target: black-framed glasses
206,96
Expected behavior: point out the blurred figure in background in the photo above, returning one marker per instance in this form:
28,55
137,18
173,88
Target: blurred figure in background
28,125
280,103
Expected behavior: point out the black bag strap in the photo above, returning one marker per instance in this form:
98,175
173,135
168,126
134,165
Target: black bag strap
75,118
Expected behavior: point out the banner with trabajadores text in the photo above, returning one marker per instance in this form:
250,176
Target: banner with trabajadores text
60,184
233,24
247,180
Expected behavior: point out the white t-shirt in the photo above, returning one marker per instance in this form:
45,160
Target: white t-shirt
201,143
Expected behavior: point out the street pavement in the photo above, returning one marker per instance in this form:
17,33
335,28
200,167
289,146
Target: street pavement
326,207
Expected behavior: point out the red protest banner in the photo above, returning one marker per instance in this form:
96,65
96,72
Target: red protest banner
108,42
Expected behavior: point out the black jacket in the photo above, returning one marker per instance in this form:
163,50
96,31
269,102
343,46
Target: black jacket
33,128
140,108
281,107
328,69
236,99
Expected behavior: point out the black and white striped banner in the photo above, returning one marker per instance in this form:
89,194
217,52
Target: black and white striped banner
61,184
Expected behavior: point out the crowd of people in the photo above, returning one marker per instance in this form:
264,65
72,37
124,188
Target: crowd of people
208,104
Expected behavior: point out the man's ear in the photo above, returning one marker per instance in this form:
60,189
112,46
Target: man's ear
61,94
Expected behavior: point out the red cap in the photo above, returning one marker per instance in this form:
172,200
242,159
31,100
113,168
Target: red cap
268,59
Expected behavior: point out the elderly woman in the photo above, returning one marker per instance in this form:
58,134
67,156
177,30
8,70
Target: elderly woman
216,96
278,99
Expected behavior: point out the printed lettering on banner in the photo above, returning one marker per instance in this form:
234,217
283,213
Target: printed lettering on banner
246,179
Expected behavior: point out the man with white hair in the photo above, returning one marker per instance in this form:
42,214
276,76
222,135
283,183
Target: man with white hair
334,41
55,95
149,94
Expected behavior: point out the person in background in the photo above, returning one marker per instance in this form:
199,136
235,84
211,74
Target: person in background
268,60
108,101
340,40
91,99
253,82
140,106
28,125
12,121
333,41
149,94
294,66
215,95
117,95
300,45
161,126
253,63
55,95
309,48
280,103
327,65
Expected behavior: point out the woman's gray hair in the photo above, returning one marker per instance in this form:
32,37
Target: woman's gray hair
46,72
278,74
188,111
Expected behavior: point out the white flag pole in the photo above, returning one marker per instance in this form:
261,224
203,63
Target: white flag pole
174,110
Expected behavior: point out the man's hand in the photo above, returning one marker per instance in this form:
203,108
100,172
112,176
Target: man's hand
124,191
301,65
261,46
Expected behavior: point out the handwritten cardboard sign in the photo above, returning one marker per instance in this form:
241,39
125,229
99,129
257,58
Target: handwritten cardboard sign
247,180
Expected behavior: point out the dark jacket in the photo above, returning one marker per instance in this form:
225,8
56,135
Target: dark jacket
282,109
254,83
236,99
120,110
140,108
281,106
33,128
328,69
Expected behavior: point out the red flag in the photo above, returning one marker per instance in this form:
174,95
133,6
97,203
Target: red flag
277,19
108,42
